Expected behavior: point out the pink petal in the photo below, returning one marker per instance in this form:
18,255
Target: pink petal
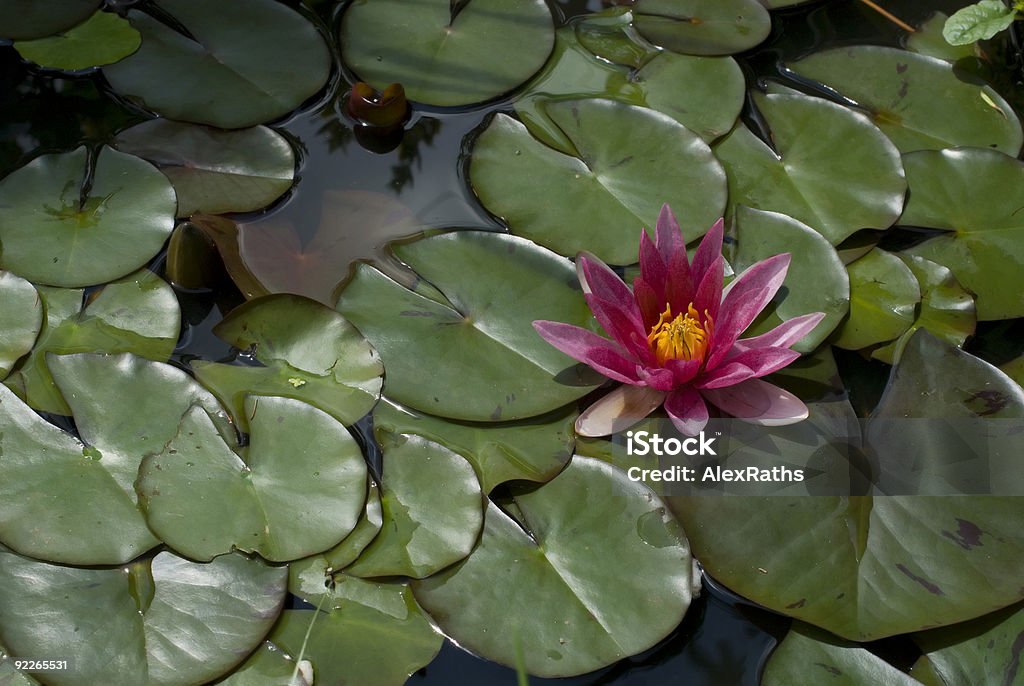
785,335
743,301
669,241
683,371
653,269
749,364
586,346
660,379
598,278
708,297
651,304
619,410
758,402
709,250
687,411
621,323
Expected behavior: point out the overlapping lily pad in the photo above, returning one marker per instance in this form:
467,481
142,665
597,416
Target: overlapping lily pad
72,501
310,352
816,281
102,39
627,162
28,19
986,650
611,35
465,347
159,621
62,224
798,173
215,171
21,318
425,529
974,196
446,53
241,62
703,27
884,295
138,314
928,40
270,666
297,489
920,102
350,548
554,576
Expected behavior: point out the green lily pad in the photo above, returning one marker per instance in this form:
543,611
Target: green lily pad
20,319
628,161
703,27
55,231
311,354
242,63
974,196
472,353
368,633
798,175
72,501
983,651
595,570
212,170
928,40
102,39
138,314
29,19
920,102
159,621
1015,369
9,676
884,295
816,281
433,511
350,548
533,450
946,310
811,656
297,489
268,666
611,35
477,52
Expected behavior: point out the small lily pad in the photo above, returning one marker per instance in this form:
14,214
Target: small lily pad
21,318
797,174
884,295
268,666
212,170
703,27
30,19
611,35
102,39
310,352
137,314
297,489
465,348
433,511
61,225
241,62
446,53
928,40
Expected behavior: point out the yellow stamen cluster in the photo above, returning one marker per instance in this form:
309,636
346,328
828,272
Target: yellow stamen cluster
682,337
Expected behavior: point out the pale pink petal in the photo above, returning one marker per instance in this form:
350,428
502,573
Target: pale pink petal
758,402
709,250
604,356
785,335
743,301
619,410
687,411
749,364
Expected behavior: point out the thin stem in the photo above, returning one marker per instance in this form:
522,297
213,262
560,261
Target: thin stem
890,16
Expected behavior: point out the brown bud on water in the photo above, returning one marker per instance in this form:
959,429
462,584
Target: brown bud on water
383,109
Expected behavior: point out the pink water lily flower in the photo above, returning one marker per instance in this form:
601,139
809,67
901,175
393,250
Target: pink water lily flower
676,336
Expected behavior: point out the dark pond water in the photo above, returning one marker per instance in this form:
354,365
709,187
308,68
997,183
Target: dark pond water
722,641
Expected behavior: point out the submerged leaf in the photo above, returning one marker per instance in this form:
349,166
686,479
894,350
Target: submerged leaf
103,39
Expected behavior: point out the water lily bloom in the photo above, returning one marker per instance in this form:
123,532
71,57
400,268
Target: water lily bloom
675,337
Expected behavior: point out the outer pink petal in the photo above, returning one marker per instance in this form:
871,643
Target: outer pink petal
785,335
619,410
709,250
758,402
743,301
687,411
586,346
620,323
749,364
598,278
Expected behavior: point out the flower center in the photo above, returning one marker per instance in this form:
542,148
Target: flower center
683,337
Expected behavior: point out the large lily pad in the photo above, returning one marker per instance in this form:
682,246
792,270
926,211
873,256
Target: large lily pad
703,27
28,19
799,175
433,511
241,63
594,570
446,53
984,651
628,162
159,622
269,666
816,281
920,102
884,295
351,547
61,225
311,354
973,195
533,450
212,170
9,676
72,501
20,319
466,349
102,39
297,489
138,314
